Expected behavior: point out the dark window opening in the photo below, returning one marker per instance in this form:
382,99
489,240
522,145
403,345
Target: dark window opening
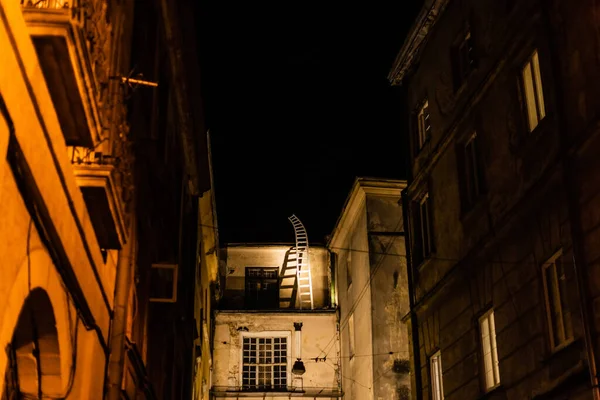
262,288
464,60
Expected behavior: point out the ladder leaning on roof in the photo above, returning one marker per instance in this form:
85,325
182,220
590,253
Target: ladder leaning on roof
304,279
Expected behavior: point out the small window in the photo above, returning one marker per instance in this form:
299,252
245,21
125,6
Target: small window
264,364
425,225
474,182
423,124
555,291
262,288
491,370
351,347
163,283
437,385
464,59
532,90
349,268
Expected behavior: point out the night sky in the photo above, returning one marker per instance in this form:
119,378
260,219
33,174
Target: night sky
298,105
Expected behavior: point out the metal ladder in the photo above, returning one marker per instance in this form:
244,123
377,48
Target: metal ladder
304,279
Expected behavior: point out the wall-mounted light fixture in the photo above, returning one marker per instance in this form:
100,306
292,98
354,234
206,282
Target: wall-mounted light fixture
298,368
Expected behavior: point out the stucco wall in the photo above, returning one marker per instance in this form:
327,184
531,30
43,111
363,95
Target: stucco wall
318,335
28,103
237,258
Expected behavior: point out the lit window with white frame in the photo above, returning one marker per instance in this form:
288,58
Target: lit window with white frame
555,291
351,344
425,225
532,91
437,384
491,370
265,363
424,124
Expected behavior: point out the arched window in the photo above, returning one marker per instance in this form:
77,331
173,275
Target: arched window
34,357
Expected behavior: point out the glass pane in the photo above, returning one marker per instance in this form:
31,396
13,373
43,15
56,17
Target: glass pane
566,312
530,97
538,86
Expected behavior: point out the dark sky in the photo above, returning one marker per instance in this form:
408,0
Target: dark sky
298,105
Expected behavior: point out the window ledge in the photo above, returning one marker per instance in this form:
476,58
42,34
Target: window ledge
494,392
426,261
559,350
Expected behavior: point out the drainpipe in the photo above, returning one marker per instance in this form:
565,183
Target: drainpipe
122,288
411,298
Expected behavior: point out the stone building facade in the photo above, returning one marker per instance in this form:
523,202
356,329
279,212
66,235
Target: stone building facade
101,185
261,333
502,198
372,291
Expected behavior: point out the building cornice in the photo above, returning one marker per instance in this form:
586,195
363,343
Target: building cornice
356,200
416,39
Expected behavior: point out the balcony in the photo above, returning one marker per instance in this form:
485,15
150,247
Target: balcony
101,180
70,38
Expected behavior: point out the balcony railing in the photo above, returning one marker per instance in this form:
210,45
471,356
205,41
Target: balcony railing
46,3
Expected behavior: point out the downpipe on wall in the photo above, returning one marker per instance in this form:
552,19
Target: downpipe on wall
124,278
411,298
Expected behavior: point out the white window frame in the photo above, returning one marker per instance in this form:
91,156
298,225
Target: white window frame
351,337
436,376
533,92
426,227
267,334
175,269
489,351
555,300
423,124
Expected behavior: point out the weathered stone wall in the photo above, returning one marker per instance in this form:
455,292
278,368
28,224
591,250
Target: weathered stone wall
491,255
319,333
240,257
389,297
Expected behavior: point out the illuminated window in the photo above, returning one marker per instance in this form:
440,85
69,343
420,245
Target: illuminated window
474,182
351,336
424,124
163,283
264,364
425,225
533,92
437,385
262,288
464,59
555,291
349,268
491,370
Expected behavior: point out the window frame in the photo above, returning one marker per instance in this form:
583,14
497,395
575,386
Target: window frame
436,371
175,268
462,70
533,95
473,173
426,228
254,304
349,268
565,317
489,317
267,334
351,337
423,124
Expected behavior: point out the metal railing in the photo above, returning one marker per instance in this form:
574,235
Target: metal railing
55,4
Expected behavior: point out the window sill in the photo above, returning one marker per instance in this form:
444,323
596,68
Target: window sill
426,261
558,351
497,391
